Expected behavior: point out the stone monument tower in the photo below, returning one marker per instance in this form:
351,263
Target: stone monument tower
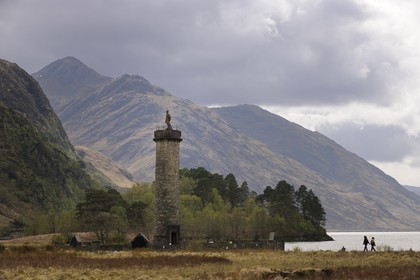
167,227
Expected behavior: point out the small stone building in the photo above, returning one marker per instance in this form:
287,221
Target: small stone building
84,239
139,241
76,241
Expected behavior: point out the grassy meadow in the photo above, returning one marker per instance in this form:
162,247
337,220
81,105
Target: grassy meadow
49,262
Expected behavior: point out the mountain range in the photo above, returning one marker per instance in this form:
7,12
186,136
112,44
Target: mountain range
117,117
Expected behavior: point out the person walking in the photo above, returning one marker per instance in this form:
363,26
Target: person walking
366,243
372,244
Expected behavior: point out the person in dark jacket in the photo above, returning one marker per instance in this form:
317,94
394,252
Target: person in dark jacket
366,243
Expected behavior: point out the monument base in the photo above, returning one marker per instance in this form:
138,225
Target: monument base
170,239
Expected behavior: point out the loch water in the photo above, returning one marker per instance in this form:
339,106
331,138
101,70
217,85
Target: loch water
352,241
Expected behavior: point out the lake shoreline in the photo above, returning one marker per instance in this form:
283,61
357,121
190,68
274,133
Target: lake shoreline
352,241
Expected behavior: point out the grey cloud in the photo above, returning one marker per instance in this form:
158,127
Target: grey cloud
286,53
202,50
415,163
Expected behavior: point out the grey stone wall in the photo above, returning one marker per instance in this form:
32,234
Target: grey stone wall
167,186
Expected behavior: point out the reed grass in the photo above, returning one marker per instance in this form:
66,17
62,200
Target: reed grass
26,262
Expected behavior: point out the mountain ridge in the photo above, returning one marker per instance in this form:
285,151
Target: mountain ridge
70,77
120,122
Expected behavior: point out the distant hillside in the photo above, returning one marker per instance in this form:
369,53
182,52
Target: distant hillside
110,174
312,149
119,116
413,189
359,179
39,170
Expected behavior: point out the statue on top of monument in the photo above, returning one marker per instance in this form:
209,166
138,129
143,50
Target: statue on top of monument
168,120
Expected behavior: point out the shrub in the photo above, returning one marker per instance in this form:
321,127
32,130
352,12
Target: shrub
60,239
49,248
194,245
297,249
24,249
385,248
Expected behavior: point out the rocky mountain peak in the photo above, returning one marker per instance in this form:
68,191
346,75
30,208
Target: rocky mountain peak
69,69
67,78
132,83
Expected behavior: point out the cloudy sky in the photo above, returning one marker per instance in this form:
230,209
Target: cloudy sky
347,68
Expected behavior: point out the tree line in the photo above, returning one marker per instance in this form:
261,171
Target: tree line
212,207
217,207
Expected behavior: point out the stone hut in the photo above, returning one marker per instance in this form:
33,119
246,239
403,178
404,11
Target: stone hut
139,241
76,241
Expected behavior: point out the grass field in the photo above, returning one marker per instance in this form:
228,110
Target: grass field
49,262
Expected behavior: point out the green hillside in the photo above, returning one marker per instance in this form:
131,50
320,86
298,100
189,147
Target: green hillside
36,176
35,171
39,170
